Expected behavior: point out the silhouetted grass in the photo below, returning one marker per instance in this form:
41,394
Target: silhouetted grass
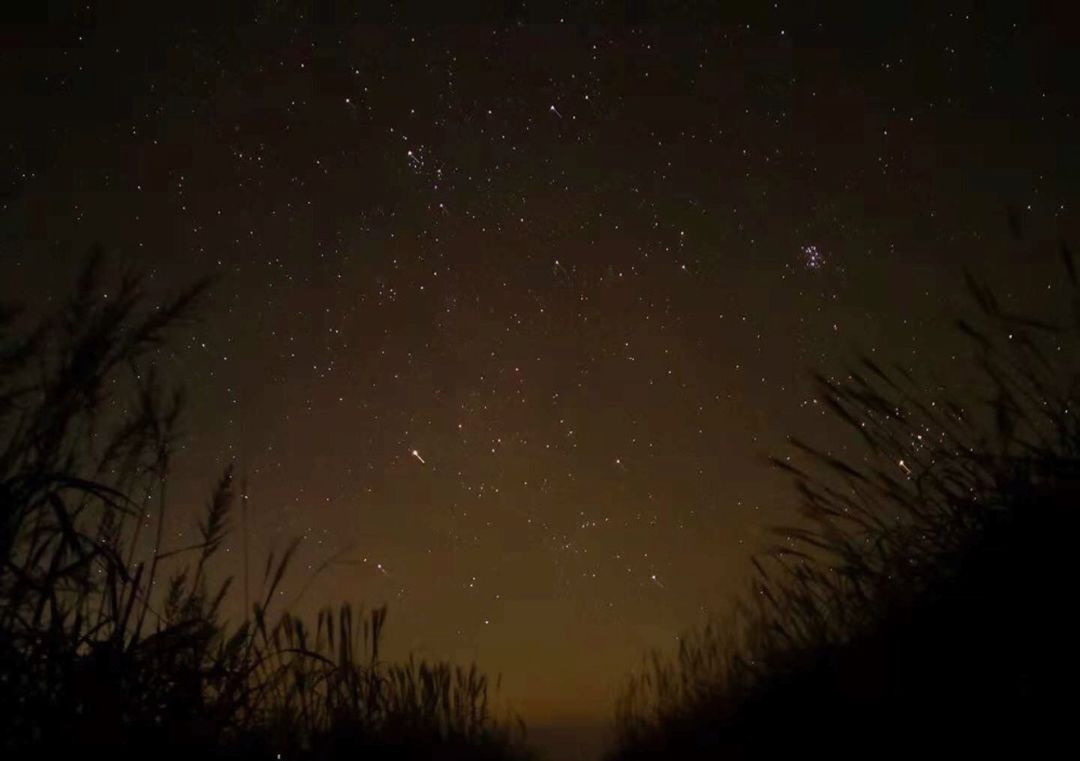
926,602
112,641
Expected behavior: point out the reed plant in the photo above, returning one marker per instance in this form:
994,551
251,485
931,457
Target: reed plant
922,603
112,639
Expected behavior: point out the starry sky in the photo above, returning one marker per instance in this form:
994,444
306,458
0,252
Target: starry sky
510,308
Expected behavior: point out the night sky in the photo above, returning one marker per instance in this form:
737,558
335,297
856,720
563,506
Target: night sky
508,315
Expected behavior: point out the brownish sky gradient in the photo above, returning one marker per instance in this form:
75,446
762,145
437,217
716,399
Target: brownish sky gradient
580,269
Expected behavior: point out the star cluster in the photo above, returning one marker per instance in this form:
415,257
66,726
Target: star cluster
507,315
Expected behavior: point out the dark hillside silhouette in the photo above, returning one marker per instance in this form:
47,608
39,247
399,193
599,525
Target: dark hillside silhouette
927,608
112,641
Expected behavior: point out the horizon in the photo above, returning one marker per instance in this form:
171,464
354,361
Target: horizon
508,317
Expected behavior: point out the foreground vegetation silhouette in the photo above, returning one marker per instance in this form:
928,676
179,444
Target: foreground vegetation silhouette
926,603
114,642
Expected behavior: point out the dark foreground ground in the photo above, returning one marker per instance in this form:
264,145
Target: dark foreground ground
577,741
